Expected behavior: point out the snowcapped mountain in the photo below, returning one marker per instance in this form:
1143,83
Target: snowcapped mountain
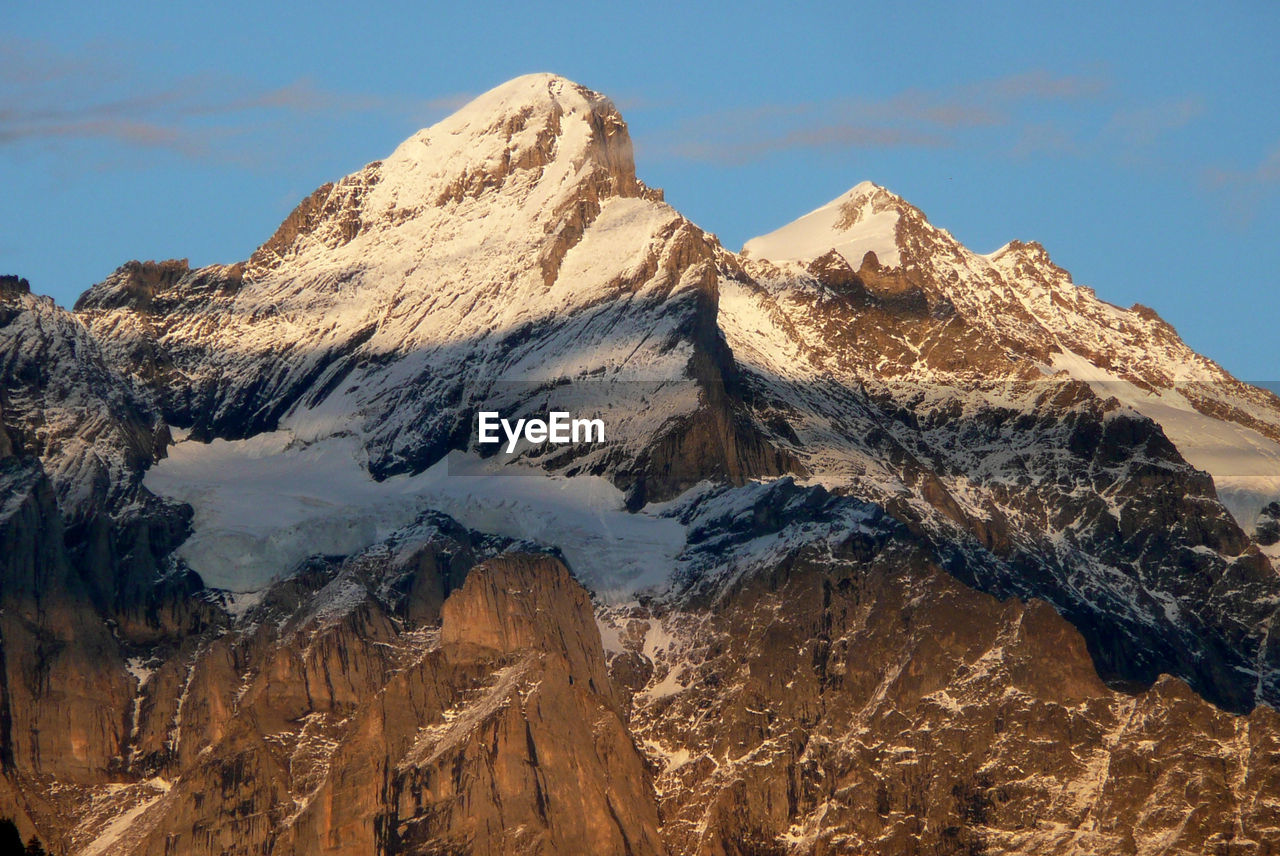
891,545
1029,309
998,395
499,254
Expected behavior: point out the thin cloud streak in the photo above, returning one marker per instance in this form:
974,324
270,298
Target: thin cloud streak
51,100
1017,117
914,118
1042,85
1267,171
1144,126
828,137
1244,190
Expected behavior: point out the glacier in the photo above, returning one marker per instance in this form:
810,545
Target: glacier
264,504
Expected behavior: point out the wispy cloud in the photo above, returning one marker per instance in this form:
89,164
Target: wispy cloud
49,99
1244,189
1034,114
1045,138
1266,171
1043,85
1144,125
914,118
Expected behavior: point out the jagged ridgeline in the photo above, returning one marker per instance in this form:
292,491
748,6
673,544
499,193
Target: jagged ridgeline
892,547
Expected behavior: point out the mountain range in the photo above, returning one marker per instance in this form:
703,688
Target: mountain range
892,546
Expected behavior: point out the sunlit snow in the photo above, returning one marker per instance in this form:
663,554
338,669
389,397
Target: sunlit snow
1244,464
848,224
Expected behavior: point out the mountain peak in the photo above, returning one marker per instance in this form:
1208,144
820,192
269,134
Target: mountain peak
527,123
532,101
1029,261
542,90
540,143
861,220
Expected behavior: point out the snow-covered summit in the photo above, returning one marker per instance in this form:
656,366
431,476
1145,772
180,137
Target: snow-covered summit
864,219
542,144
511,243
505,251
537,131
537,117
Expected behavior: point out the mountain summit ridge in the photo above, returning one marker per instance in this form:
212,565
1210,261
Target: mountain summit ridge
536,132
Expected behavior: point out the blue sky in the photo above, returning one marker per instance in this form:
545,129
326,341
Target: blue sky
1141,146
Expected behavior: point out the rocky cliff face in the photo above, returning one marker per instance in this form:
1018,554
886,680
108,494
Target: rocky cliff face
328,720
93,433
851,696
83,546
893,547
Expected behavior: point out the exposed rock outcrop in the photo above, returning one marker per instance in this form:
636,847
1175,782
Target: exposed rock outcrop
344,731
1268,526
852,697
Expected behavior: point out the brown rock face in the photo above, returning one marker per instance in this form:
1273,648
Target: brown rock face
527,603
140,282
862,701
63,681
848,696
542,762
14,285
326,724
720,440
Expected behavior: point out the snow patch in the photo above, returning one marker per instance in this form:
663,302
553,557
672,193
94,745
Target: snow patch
850,224
1244,464
137,666
117,830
